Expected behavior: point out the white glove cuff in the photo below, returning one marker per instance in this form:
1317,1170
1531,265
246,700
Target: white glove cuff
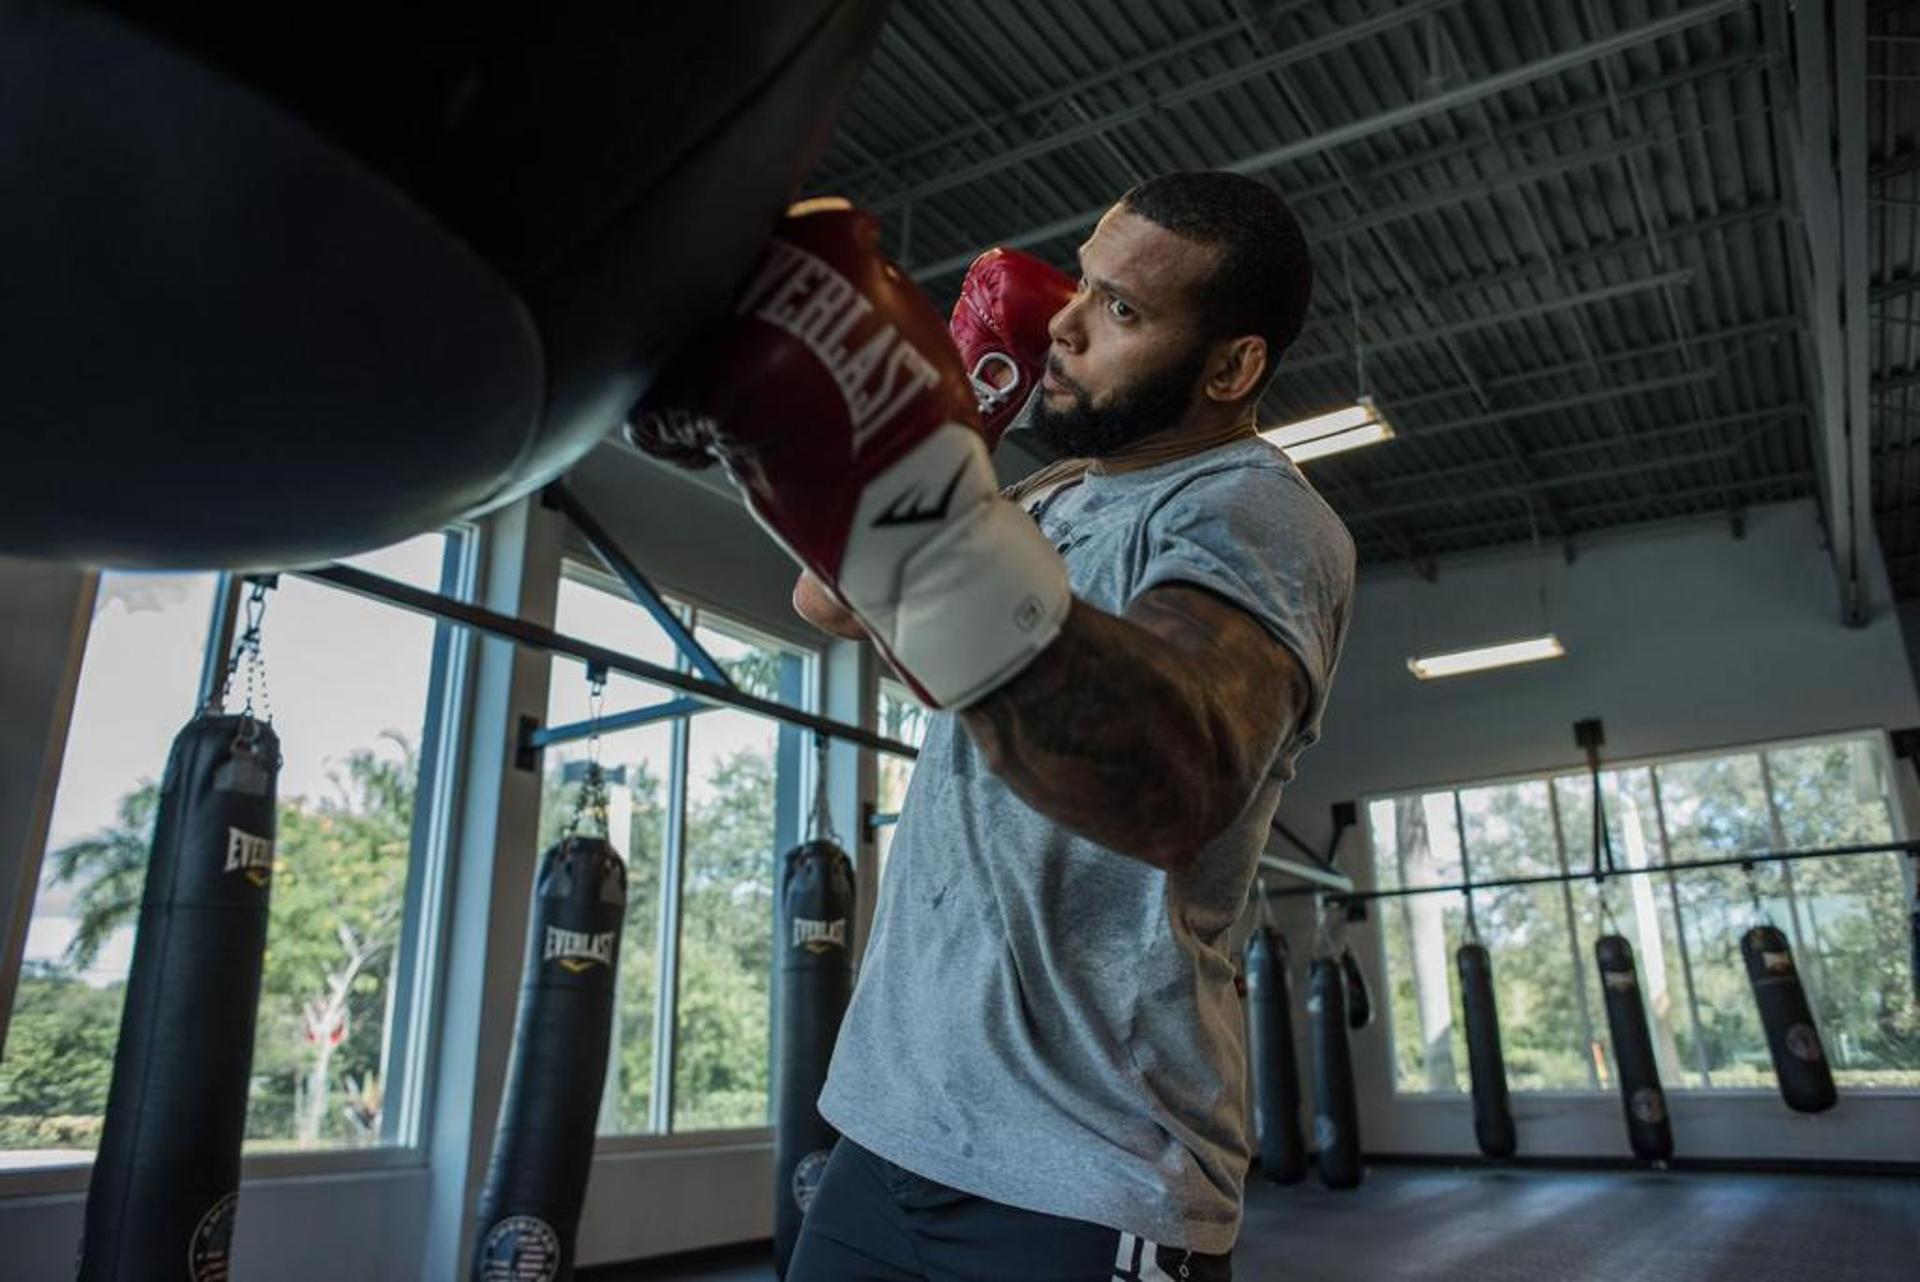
978,602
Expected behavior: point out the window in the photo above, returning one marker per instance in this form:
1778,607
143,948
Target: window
904,718
139,679
1845,917
359,693
639,766
744,776
703,806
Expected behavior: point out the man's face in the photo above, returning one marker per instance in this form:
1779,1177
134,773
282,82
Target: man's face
1129,350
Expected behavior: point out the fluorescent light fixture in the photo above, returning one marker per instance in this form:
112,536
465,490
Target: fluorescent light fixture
1531,650
1323,434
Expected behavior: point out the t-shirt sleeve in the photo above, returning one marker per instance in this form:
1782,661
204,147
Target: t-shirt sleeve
1260,538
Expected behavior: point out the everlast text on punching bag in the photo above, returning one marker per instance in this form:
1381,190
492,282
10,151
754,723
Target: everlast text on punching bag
1648,1128
543,1151
1336,1113
164,1187
1799,1061
1276,1074
813,977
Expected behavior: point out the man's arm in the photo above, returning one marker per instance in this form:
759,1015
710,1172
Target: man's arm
1147,733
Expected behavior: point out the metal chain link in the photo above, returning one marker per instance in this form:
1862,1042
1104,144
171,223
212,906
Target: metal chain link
820,823
247,649
591,800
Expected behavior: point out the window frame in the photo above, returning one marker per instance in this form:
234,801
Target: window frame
1897,827
420,956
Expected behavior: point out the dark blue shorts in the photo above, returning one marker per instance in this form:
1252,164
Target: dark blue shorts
872,1221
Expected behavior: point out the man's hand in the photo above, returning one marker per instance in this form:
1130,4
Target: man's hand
1000,324
838,404
814,603
1147,733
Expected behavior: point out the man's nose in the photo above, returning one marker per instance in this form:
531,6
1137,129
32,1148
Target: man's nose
1065,327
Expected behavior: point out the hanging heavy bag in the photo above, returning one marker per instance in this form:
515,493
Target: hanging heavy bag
1493,1127
1336,1113
1648,1128
543,1147
160,1203
1799,1061
1359,1002
813,982
1276,1075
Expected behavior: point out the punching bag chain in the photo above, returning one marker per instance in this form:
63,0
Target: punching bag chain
821,821
246,648
592,798
1466,867
1760,917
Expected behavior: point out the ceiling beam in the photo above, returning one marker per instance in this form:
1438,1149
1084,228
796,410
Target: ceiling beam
1850,110
1844,501
1394,118
1589,511
1750,334
1148,105
1635,440
1529,312
1540,485
1594,396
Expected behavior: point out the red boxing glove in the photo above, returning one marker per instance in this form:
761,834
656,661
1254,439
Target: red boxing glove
999,323
842,412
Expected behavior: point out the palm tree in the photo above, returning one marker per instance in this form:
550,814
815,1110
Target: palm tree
109,872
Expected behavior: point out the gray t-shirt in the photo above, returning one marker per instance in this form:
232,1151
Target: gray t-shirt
1041,1021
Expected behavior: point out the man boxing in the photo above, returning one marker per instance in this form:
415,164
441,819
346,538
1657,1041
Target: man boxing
1042,1072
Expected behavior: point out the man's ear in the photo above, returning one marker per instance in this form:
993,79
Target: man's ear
1238,366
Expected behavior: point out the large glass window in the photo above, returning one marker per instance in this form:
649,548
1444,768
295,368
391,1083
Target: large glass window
703,804
1845,917
360,694
743,772
359,701
139,679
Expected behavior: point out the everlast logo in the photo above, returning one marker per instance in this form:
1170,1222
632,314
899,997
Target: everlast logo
877,371
576,950
819,936
249,855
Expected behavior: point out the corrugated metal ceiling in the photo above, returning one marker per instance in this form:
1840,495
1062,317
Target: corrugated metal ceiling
1566,228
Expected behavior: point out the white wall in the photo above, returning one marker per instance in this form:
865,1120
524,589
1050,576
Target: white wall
1679,638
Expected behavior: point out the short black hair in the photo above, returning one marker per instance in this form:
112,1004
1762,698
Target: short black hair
1264,278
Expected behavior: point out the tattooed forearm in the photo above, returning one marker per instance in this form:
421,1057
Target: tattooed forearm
1147,734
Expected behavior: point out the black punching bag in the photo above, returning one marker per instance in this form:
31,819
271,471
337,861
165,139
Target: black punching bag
543,1148
1336,1113
161,1200
813,980
1648,1127
1799,1062
1492,1114
1276,1075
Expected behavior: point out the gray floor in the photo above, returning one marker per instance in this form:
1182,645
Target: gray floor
1543,1226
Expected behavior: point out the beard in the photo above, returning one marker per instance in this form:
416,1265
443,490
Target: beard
1135,411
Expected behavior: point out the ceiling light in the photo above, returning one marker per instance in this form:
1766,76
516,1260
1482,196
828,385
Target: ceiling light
1503,655
1343,429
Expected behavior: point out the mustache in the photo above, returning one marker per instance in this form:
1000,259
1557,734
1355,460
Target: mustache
1059,376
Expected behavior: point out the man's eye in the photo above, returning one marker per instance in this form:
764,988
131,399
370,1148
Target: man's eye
1119,309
